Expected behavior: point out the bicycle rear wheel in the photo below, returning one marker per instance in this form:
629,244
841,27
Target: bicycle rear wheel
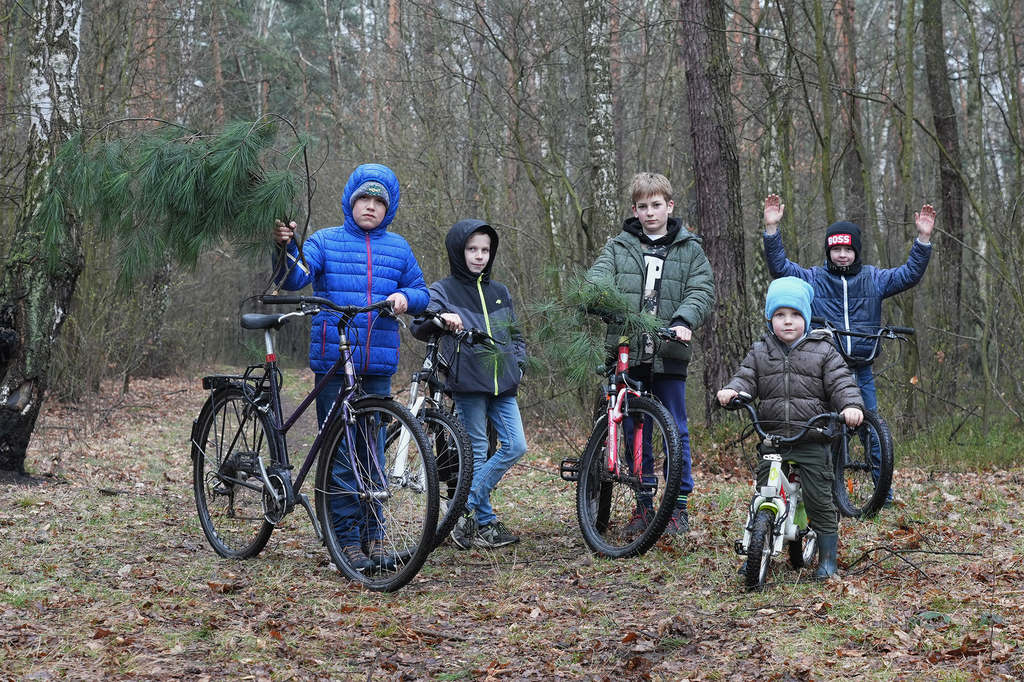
230,440
803,549
376,497
759,551
862,480
623,513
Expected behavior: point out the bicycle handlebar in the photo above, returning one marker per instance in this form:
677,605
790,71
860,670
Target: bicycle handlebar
884,332
745,401
470,336
384,306
609,317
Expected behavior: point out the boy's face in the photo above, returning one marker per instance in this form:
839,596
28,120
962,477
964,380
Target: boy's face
478,252
368,212
788,324
842,255
653,212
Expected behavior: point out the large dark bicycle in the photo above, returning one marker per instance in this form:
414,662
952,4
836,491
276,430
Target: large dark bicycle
371,493
863,457
628,478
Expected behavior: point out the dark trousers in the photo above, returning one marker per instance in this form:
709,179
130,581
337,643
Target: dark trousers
816,479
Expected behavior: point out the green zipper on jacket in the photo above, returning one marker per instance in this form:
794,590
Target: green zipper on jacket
487,323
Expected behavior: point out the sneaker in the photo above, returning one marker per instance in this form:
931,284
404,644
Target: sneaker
380,557
640,520
495,534
355,558
464,531
679,524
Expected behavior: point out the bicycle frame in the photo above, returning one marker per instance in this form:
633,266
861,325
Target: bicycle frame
781,494
616,395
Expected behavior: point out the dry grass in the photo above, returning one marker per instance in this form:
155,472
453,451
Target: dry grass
105,574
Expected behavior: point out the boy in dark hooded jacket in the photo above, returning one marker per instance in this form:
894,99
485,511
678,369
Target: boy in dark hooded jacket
796,375
848,293
483,380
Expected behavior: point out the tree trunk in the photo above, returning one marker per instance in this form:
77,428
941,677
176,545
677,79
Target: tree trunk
602,181
951,192
38,282
717,178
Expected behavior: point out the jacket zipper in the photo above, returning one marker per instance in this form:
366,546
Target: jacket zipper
487,323
369,300
846,315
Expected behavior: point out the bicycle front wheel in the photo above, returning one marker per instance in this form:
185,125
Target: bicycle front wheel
376,497
863,461
230,440
759,551
623,510
453,451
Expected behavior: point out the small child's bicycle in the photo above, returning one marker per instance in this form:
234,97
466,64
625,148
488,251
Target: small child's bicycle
628,478
776,515
864,457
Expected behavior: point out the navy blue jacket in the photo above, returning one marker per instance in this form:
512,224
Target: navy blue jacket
482,304
851,302
351,266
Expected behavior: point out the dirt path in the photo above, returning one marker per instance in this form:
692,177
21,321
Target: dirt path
105,573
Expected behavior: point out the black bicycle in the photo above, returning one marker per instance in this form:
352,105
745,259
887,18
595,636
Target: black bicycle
376,498
430,403
864,457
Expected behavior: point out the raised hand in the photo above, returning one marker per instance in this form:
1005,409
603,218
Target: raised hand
925,221
283,233
773,211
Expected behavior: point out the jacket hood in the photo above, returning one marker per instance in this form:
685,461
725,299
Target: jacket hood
633,226
455,242
362,174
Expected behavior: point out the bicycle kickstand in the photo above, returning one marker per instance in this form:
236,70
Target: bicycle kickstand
304,501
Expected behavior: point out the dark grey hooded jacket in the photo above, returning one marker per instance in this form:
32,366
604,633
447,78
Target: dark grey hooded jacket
482,304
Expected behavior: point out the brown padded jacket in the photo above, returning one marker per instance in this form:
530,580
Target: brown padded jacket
794,384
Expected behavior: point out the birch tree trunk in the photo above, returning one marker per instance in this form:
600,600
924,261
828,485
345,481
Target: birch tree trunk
603,183
37,282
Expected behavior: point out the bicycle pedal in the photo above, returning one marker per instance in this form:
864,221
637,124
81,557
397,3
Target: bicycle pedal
738,546
569,470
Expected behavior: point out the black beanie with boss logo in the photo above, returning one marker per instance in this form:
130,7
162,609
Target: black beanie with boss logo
843,233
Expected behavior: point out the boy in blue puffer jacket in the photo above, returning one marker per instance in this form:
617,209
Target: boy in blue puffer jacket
848,293
357,263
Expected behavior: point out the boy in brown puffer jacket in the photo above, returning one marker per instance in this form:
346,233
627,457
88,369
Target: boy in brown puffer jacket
796,375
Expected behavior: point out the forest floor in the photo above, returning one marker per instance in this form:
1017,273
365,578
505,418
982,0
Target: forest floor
105,574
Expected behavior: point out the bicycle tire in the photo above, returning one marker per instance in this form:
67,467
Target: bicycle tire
606,502
228,437
392,497
803,549
759,551
453,451
858,494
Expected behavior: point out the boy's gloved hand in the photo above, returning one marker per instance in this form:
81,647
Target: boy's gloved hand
852,416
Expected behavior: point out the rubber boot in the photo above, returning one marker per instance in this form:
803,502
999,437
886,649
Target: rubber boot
828,549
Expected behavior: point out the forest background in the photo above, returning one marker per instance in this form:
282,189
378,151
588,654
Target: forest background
534,116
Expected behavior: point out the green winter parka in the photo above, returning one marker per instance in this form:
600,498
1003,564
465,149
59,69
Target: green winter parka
687,291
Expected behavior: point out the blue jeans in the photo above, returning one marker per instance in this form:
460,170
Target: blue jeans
474,410
866,382
347,511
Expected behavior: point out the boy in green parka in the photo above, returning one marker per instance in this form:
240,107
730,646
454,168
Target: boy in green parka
660,268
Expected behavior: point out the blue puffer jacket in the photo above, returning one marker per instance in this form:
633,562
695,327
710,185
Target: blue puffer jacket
351,266
851,302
